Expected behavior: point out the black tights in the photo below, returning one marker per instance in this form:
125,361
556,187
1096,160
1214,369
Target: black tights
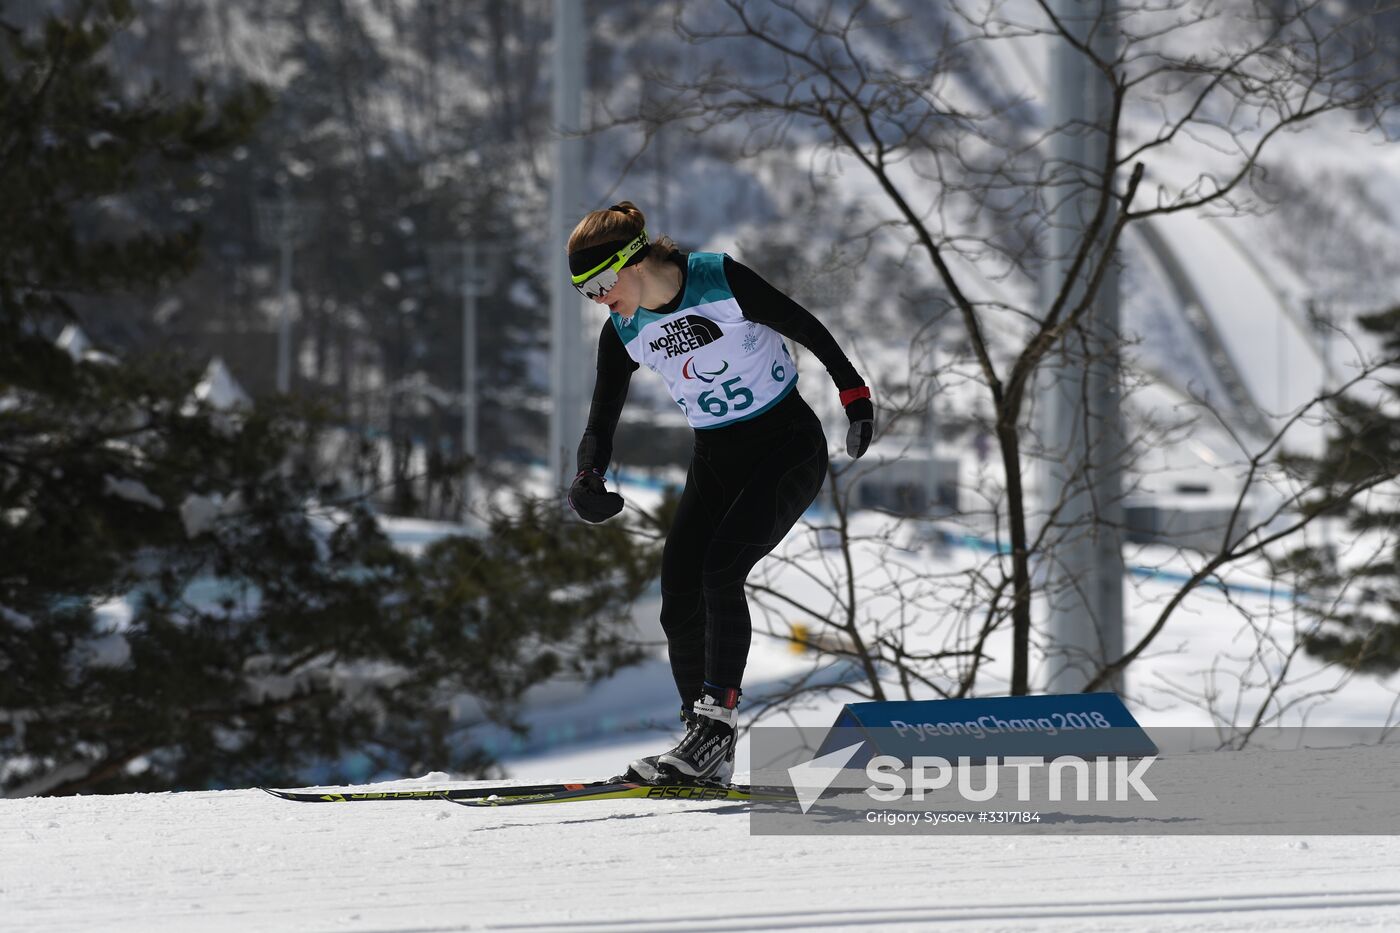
748,484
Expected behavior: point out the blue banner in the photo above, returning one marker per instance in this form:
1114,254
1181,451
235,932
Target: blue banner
1085,725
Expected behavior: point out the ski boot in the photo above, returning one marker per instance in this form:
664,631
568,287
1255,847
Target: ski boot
648,770
707,750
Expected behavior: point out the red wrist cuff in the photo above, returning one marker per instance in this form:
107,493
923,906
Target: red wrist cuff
850,395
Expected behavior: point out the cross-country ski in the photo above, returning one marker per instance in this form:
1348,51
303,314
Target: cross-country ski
626,790
439,793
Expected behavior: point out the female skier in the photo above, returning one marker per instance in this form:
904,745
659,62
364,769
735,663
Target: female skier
713,330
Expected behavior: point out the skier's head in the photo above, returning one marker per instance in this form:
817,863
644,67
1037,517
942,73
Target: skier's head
607,251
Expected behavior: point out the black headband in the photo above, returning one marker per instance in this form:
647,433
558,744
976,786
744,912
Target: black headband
590,257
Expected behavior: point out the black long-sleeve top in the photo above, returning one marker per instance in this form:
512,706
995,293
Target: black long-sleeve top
760,303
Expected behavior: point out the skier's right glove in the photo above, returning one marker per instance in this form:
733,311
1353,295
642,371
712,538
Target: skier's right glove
589,497
860,412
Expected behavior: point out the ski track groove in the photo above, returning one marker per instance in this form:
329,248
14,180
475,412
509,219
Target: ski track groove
982,913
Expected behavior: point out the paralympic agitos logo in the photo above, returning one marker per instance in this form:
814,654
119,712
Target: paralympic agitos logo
688,371
685,335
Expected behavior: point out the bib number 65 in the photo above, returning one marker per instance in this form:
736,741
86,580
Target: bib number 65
733,392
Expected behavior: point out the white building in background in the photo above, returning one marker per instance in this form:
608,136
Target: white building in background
75,342
220,390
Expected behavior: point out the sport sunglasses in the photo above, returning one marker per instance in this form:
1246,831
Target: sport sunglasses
598,281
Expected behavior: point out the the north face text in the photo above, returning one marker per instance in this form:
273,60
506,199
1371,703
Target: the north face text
685,335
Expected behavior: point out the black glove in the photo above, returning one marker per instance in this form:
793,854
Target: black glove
589,497
861,413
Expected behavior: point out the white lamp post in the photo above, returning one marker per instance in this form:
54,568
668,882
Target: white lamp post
284,222
459,265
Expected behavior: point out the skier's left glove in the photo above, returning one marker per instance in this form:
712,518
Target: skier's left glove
590,498
860,411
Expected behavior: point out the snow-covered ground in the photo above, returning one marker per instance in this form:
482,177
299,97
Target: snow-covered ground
243,861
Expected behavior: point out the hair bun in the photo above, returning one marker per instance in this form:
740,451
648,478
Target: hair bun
621,221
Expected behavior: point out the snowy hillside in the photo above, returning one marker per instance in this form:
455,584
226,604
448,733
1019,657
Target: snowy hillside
242,860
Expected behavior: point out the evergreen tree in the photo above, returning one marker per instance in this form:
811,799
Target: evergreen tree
258,635
1357,605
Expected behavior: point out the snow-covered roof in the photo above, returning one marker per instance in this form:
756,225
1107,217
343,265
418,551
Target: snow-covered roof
220,390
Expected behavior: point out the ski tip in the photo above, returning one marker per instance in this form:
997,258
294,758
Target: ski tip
280,795
305,796
288,794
